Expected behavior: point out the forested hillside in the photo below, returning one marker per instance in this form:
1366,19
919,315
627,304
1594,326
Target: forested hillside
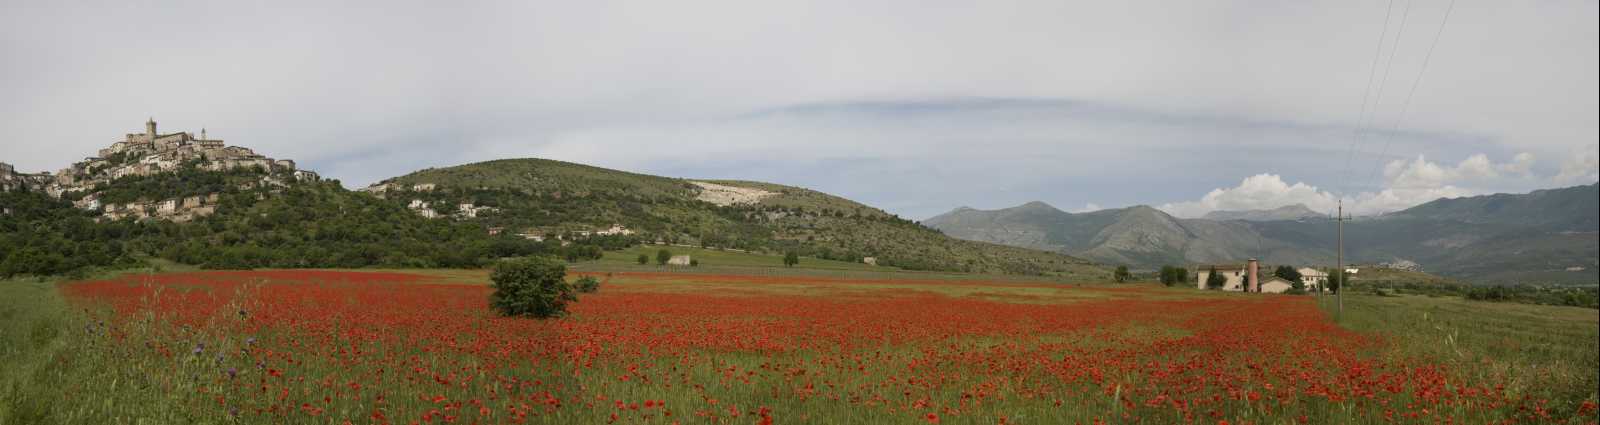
300,224
553,198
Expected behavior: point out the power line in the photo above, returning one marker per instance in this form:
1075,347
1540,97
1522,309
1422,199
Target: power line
1383,83
1388,137
1366,93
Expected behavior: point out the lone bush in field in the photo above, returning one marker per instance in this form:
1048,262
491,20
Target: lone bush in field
662,257
587,285
643,259
790,259
533,286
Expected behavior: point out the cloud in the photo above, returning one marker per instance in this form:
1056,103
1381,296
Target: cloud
1582,166
1421,174
855,98
1087,207
1258,192
1406,184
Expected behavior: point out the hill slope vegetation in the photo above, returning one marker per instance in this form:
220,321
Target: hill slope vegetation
545,197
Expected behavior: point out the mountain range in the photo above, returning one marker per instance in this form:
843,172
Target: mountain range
1542,236
1287,212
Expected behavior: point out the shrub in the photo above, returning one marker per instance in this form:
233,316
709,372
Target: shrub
694,262
534,286
1173,275
643,259
587,285
1215,280
662,257
790,259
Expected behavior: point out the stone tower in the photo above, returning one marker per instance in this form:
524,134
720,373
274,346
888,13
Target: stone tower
150,128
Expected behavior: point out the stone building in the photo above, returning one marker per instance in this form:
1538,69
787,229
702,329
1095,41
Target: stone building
1276,285
1233,276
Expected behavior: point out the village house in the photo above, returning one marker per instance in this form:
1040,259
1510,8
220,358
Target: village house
1276,285
679,260
616,229
1313,278
531,235
167,207
1233,275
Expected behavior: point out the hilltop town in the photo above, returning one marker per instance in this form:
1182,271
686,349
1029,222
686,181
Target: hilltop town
147,154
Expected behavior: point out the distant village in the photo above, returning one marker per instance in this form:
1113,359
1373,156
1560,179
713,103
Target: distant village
466,210
151,153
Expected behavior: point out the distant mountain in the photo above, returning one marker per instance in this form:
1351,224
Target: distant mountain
1544,236
545,198
1565,209
1287,212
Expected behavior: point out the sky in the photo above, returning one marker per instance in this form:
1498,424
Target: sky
916,107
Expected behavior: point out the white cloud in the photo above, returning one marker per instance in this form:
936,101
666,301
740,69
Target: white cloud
1582,166
1406,184
1421,174
1087,207
1261,191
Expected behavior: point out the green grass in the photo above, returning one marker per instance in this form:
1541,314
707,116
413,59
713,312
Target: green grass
1546,352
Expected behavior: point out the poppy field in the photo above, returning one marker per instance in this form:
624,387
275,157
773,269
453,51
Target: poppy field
661,348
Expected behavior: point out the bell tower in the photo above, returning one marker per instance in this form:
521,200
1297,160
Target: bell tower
150,129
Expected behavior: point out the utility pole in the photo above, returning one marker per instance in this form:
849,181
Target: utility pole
1339,264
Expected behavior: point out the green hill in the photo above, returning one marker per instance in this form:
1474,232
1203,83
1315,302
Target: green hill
544,197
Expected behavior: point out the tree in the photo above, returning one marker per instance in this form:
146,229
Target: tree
1335,280
790,259
1173,275
1290,274
662,257
534,286
587,285
1121,274
694,262
644,259
1215,280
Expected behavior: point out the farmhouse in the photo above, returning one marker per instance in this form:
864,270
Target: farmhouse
616,229
678,260
1233,276
1276,285
1313,278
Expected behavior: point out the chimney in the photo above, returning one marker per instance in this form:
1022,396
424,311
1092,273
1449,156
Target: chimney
1253,282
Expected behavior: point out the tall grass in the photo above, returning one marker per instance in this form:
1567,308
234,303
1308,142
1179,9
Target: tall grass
1545,353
